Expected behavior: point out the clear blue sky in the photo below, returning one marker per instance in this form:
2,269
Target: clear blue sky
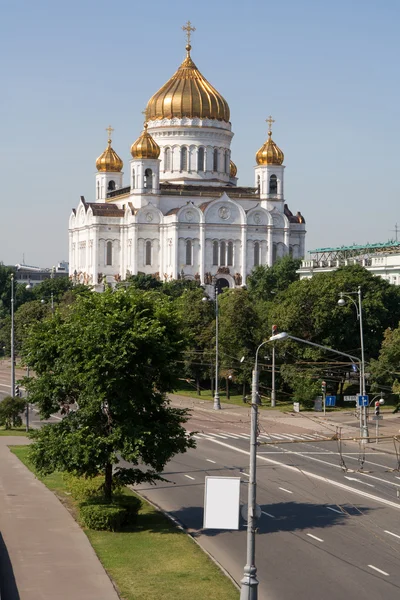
327,72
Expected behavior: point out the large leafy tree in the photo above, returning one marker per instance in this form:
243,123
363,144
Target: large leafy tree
112,358
265,282
385,371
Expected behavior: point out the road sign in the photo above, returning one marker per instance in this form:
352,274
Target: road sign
362,400
350,398
330,401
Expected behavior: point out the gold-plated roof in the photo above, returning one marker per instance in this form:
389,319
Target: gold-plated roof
109,160
145,146
187,94
270,153
232,169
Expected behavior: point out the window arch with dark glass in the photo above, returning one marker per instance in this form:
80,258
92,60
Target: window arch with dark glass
148,253
148,177
200,159
167,159
258,182
215,253
273,185
189,252
184,159
222,254
109,253
256,254
111,185
98,190
227,161
133,179
215,160
230,254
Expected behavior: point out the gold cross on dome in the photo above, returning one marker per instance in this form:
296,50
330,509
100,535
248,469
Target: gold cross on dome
109,130
188,28
270,120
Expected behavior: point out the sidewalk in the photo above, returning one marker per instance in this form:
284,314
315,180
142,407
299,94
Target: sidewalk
44,555
306,421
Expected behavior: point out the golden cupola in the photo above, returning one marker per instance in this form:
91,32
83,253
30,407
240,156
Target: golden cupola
145,146
109,161
187,94
232,169
270,153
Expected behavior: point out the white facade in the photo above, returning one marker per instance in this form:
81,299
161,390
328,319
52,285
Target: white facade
182,214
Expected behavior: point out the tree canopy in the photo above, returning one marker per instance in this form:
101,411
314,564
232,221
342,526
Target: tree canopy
107,362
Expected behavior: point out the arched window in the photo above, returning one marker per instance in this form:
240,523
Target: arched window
111,185
227,161
98,190
222,255
148,253
258,182
291,251
167,159
189,250
133,179
148,177
200,159
215,253
230,254
109,257
215,159
273,185
274,252
256,254
184,159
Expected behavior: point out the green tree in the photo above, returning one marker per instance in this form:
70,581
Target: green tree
385,371
112,357
264,282
10,412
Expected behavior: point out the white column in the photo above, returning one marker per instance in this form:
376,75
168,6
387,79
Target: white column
286,239
135,249
175,241
202,251
270,245
244,253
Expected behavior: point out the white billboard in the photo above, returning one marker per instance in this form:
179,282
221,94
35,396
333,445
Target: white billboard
221,503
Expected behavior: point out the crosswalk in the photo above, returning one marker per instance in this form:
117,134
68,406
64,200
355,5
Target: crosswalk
263,437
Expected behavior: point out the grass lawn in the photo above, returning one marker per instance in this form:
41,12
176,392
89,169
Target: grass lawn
234,399
153,561
14,431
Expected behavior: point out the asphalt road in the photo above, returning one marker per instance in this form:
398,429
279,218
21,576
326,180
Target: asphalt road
326,531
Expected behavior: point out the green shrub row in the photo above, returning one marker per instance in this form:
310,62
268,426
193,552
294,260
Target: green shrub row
122,512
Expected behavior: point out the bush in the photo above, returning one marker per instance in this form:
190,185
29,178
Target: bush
132,505
103,517
83,488
10,410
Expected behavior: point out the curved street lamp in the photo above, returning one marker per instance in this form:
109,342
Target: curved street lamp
217,403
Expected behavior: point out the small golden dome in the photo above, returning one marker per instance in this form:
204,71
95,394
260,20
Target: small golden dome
109,160
269,153
187,94
145,146
232,169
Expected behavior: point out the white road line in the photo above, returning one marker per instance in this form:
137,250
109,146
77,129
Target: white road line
314,537
379,570
268,514
189,477
397,477
335,510
230,435
338,484
285,490
247,475
308,437
394,534
359,481
211,461
219,435
277,437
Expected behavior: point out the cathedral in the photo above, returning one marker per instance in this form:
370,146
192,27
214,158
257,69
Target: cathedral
180,212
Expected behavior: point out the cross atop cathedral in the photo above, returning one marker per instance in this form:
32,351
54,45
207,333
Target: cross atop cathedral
270,120
188,28
109,130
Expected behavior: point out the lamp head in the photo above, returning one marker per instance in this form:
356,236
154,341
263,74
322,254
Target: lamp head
279,336
204,299
29,286
42,301
341,302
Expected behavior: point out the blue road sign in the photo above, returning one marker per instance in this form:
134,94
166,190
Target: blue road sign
362,400
330,401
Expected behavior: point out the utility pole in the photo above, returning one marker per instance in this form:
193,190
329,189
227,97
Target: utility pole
12,339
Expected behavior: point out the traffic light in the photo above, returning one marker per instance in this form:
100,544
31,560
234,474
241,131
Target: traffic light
274,329
323,387
16,391
377,408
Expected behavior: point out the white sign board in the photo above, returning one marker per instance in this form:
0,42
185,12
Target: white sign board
350,398
221,503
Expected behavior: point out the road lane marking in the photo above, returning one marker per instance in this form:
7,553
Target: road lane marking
394,534
219,436
359,481
338,484
189,477
314,537
285,490
277,437
335,510
230,435
211,461
379,570
268,514
243,473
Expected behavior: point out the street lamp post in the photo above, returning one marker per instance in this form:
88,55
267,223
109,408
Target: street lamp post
217,402
249,583
12,339
273,391
342,302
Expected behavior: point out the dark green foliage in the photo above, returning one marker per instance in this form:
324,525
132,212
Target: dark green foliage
83,488
265,282
10,411
103,517
112,358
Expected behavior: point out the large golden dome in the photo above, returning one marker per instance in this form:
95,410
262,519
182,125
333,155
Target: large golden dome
145,146
187,94
109,160
232,169
270,153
